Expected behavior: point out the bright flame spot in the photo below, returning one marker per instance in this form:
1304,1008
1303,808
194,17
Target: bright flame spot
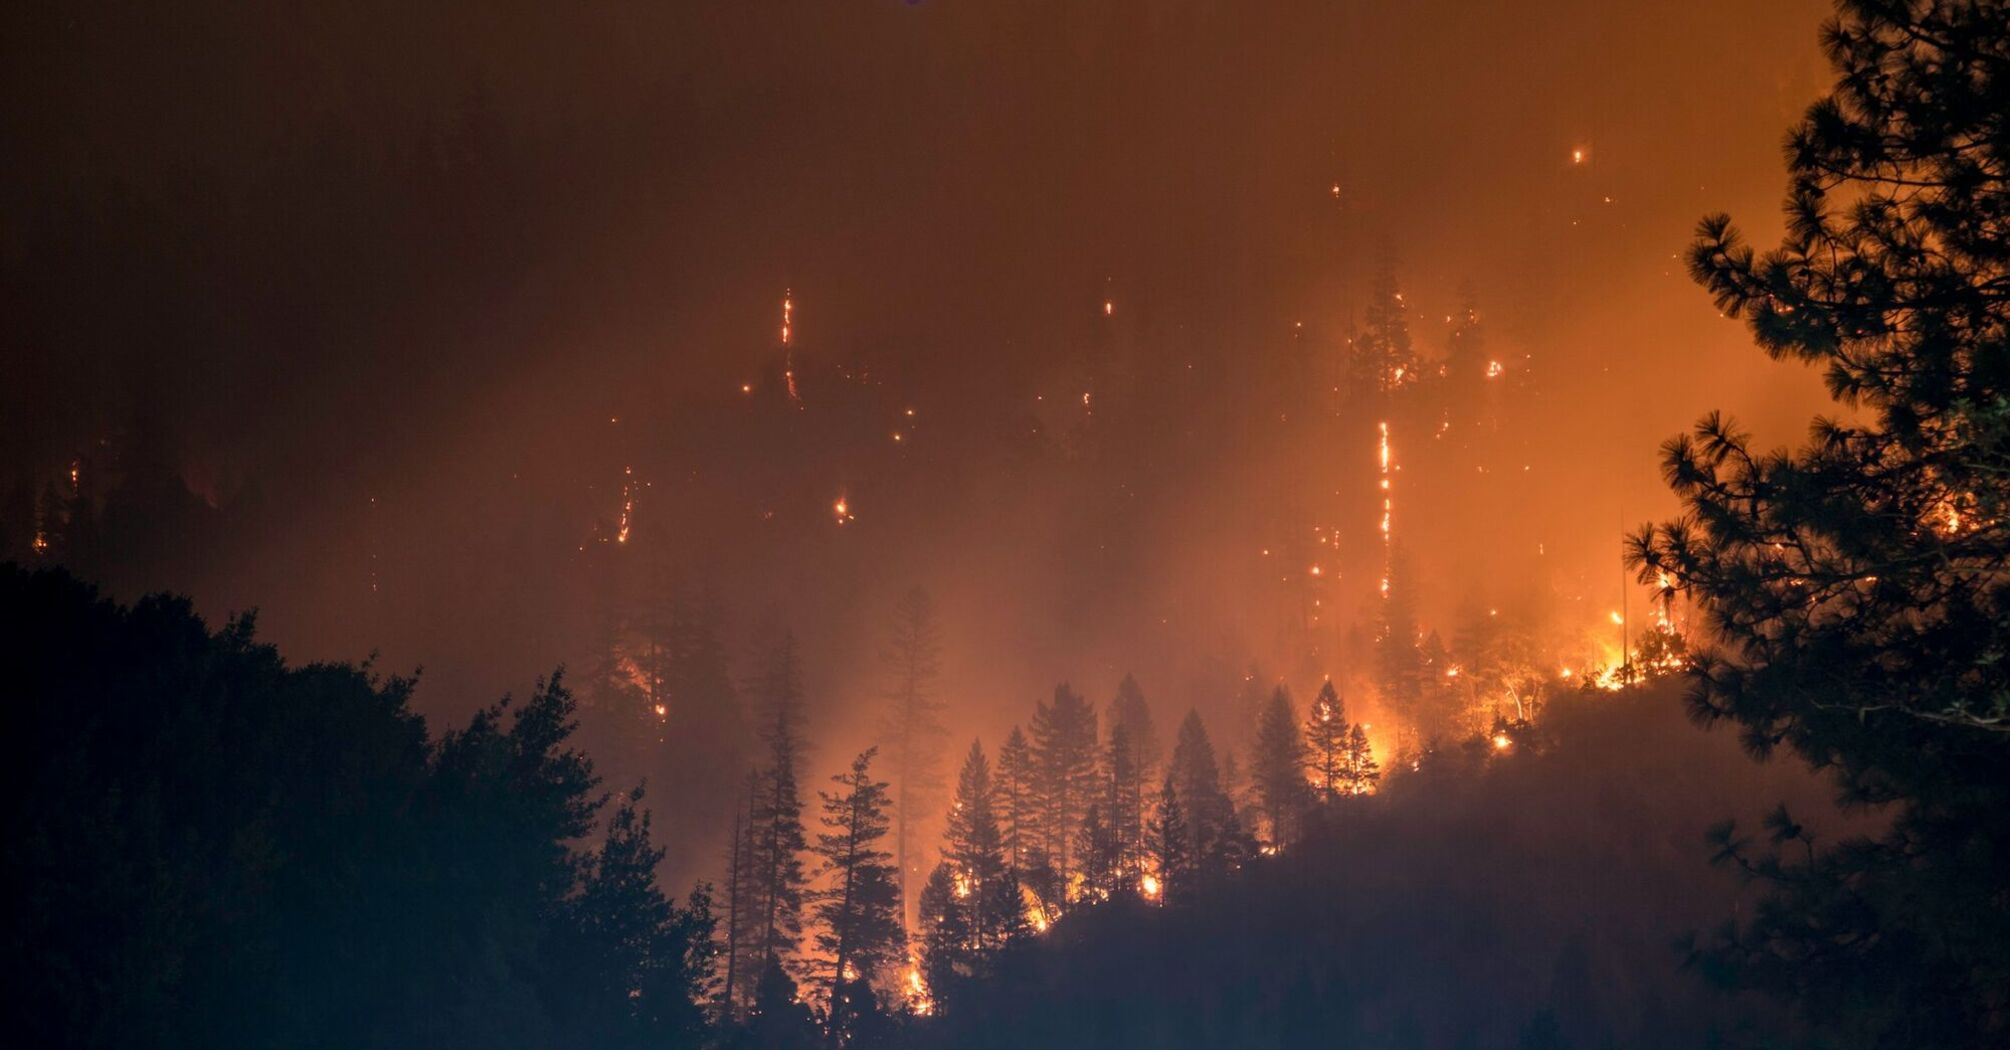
1149,885
1502,742
1494,368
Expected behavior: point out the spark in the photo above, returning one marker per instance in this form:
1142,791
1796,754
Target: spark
841,507
1149,885
1502,742
1109,308
1578,155
1494,369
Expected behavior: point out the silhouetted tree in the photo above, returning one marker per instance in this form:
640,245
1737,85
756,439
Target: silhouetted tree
776,817
1130,712
1856,587
217,849
1359,770
1018,818
1217,840
986,888
859,910
1326,740
1064,755
1123,807
1278,768
1171,845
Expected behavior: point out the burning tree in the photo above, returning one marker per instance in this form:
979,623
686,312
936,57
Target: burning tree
1856,589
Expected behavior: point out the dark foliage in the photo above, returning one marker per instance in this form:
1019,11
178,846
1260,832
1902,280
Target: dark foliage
215,849
1857,587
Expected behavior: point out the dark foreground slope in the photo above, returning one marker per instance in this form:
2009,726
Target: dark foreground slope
1537,897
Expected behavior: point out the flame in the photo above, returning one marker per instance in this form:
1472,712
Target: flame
915,990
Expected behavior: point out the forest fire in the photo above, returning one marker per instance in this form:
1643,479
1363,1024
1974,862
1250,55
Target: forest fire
1101,704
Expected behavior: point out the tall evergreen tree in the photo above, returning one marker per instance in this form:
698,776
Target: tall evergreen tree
1064,755
1018,810
1856,588
1130,712
1215,836
911,726
858,911
776,818
986,888
1171,845
1278,769
1382,359
1123,808
1359,772
1326,740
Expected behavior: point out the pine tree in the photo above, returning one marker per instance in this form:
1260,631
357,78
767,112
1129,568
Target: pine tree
1018,818
775,819
946,953
859,910
1096,856
1382,359
1278,769
742,896
1130,712
911,725
1359,770
1171,845
634,957
1215,835
1064,754
1123,808
987,890
1855,588
1326,738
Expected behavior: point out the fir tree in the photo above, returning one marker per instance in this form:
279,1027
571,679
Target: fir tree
1064,755
1018,819
987,890
1215,835
1133,715
1326,740
946,953
775,820
859,910
1855,587
1123,807
1359,772
911,725
1278,769
1171,845
1382,359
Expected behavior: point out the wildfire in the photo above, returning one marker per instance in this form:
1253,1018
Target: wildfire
788,346
1388,501
1148,884
627,504
915,990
